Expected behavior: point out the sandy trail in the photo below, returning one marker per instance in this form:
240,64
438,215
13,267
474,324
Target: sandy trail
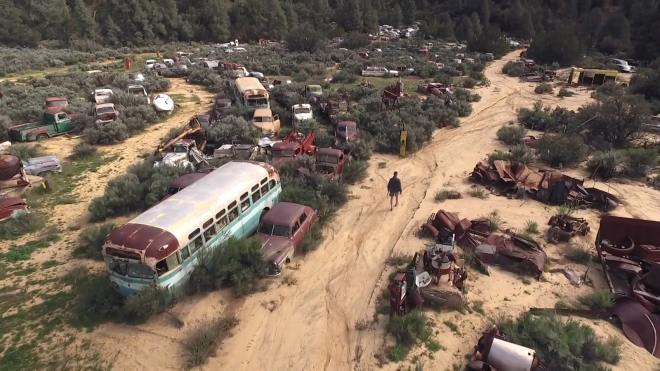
310,325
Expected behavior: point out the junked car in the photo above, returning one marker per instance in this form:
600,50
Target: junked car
330,163
379,72
12,206
282,230
263,80
265,121
346,131
40,166
184,181
137,77
102,95
149,63
301,112
105,113
57,102
221,108
139,91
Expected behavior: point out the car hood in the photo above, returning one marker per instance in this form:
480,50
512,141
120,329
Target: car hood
275,249
348,136
171,158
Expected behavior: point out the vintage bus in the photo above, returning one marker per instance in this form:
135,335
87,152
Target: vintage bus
162,246
250,93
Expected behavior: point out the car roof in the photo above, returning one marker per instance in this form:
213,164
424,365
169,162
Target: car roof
262,112
285,145
283,213
55,99
329,151
347,123
187,179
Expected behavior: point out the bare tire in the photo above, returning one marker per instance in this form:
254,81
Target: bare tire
42,137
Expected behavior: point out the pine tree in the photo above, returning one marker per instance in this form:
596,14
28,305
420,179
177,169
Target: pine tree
465,30
349,15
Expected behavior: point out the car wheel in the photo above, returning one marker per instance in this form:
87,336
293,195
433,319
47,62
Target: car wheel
42,137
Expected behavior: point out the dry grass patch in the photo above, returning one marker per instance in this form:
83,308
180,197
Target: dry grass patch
203,339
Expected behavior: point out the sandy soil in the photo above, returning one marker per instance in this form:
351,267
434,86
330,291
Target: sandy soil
310,325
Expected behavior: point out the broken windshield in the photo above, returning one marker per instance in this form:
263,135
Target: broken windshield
348,129
134,270
102,111
257,102
282,153
274,230
263,119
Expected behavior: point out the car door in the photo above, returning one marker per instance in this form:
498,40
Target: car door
297,234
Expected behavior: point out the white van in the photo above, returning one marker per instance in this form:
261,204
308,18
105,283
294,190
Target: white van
621,65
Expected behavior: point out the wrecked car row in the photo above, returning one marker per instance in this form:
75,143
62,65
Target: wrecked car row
514,179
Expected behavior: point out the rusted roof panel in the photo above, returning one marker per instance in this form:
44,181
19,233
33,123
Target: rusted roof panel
153,242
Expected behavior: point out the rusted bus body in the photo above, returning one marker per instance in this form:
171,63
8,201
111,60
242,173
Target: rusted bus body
162,246
251,93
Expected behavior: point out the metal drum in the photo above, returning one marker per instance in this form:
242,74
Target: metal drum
10,165
508,356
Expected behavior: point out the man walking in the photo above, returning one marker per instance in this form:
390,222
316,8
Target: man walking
394,189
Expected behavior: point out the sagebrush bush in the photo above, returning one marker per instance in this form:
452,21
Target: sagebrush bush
312,239
203,338
563,92
513,69
469,83
83,150
543,88
237,263
25,151
499,156
111,133
575,346
511,134
565,150
140,307
409,329
598,300
638,161
521,153
90,241
605,164
20,224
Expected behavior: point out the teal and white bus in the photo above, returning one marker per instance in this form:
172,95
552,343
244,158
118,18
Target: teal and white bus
161,247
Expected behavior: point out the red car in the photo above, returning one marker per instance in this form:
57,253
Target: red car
282,229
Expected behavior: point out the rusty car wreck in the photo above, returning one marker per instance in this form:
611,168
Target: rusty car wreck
511,179
629,252
474,236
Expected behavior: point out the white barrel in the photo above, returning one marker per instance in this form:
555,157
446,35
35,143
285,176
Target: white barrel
509,356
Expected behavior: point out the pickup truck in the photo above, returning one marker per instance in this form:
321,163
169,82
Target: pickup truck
379,72
54,122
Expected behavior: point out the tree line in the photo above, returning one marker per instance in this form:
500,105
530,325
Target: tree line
562,29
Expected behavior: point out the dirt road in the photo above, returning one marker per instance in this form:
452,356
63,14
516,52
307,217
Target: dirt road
310,325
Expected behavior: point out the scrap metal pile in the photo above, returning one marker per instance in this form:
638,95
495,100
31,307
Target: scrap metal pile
474,236
564,227
513,179
629,251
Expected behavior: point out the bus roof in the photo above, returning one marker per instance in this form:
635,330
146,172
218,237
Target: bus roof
243,84
188,209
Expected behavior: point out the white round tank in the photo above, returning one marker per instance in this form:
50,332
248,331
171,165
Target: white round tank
509,356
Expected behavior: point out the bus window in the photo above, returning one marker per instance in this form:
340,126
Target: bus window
195,244
272,184
245,202
207,223
221,221
256,195
209,233
185,253
233,211
167,264
264,180
264,189
193,234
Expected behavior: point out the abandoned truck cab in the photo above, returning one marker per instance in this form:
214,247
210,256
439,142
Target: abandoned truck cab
296,144
282,230
161,247
330,163
54,122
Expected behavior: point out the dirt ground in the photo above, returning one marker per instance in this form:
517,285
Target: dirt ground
309,323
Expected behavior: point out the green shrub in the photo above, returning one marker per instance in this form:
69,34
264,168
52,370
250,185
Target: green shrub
20,224
543,88
25,151
355,171
237,263
597,300
494,221
469,83
511,134
111,133
408,329
513,69
499,156
563,92
441,195
521,153
140,307
122,195
574,346
90,241
532,227
312,239
566,150
202,340
605,164
83,150
96,300
578,253
638,161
